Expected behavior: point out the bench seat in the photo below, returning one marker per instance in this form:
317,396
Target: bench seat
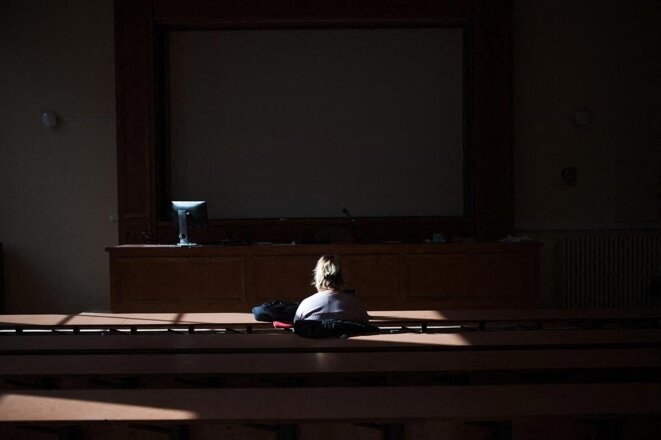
339,403
289,342
329,362
482,318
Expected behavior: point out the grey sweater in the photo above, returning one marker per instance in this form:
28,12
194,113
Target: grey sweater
332,305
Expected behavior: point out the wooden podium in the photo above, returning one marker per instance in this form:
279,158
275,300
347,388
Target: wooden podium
166,278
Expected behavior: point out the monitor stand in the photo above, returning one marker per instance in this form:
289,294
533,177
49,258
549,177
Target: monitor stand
183,229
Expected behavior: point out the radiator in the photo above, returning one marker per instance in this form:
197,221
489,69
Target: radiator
609,269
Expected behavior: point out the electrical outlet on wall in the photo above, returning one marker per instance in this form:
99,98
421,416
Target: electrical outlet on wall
569,176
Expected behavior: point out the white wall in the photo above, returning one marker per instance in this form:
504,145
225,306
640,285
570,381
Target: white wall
57,187
568,55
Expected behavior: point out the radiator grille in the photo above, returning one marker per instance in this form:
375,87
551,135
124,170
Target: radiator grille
612,269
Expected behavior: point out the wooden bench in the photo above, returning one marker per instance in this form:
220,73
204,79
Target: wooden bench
509,356
455,374
131,321
288,342
529,318
328,403
482,319
97,365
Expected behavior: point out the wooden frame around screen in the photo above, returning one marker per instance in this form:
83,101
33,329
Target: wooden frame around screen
140,30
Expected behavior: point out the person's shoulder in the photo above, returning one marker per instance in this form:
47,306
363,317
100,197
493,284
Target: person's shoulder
313,297
348,297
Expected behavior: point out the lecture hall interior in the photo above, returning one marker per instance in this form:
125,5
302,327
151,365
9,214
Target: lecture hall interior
489,172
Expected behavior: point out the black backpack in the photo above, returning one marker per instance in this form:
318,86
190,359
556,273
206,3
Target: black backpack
283,311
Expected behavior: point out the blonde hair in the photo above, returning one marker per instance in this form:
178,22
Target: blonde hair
328,274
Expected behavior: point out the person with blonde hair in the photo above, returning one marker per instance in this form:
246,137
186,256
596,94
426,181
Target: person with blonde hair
331,302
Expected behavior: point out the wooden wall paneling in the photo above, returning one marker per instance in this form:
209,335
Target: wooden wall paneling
235,278
217,278
492,84
134,71
504,276
280,277
435,278
182,284
375,278
130,276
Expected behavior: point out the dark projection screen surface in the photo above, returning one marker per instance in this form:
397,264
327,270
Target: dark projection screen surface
303,123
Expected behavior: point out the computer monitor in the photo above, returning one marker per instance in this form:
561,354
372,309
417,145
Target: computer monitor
188,213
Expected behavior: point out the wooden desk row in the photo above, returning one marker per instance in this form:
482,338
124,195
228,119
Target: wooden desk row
290,343
494,402
481,319
270,377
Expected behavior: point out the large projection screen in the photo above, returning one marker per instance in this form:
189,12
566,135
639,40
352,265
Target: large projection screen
303,123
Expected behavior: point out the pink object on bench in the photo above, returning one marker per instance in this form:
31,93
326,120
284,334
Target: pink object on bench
280,324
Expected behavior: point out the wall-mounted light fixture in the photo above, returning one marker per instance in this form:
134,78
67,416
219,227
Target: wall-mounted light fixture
569,176
582,117
48,120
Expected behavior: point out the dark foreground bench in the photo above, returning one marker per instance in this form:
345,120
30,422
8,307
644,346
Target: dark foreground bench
339,403
175,379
